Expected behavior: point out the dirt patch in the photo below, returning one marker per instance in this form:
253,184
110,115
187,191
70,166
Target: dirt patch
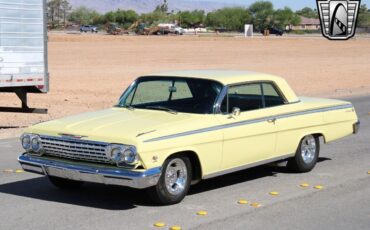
89,72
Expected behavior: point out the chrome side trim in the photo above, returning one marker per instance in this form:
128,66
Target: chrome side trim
252,121
227,171
95,174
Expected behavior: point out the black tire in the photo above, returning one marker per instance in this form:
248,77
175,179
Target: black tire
302,164
65,183
160,193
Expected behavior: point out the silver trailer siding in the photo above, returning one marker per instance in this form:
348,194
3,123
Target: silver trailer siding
23,46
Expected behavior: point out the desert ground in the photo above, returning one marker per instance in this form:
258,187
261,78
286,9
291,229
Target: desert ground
89,72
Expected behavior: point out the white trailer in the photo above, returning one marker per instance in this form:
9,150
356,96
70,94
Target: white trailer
23,50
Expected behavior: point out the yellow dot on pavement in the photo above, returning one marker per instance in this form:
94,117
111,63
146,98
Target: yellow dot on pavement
318,187
175,227
242,202
159,224
256,205
274,193
368,172
19,171
201,213
304,185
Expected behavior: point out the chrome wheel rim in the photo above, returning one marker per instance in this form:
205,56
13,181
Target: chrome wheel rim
308,149
176,176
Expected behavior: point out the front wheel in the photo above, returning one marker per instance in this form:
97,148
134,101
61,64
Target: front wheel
174,182
64,183
306,155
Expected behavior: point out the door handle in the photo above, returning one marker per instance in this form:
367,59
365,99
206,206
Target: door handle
271,120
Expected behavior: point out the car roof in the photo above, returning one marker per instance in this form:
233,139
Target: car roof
225,77
229,77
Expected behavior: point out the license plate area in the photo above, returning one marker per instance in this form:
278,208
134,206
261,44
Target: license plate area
63,173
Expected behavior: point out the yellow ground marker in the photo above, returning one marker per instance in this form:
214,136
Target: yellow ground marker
242,202
304,185
19,171
368,172
202,213
175,227
274,193
318,187
256,205
159,224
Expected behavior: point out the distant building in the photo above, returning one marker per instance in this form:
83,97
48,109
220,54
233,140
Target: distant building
306,24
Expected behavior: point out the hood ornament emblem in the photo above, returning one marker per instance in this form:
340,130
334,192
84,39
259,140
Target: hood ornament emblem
71,136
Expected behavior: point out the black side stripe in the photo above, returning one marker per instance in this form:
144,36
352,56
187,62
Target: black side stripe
252,121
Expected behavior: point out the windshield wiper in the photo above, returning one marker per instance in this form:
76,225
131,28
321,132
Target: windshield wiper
129,107
162,108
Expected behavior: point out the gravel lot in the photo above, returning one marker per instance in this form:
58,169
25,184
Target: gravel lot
89,72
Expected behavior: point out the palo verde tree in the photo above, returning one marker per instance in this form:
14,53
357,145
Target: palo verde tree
308,12
364,17
232,19
285,17
84,16
262,13
57,12
190,19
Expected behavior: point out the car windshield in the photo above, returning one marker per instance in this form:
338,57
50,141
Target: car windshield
172,94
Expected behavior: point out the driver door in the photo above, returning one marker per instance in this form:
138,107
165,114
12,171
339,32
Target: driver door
248,136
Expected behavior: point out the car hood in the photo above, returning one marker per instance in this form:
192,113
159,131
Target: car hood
117,125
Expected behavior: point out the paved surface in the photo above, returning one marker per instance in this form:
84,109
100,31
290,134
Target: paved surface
29,202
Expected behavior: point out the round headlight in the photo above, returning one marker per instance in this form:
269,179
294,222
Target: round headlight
26,141
129,155
122,155
36,144
116,153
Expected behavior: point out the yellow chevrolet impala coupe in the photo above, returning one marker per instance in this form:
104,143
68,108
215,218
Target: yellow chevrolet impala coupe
173,129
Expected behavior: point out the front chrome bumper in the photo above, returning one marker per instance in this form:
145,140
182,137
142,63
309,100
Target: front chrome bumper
75,171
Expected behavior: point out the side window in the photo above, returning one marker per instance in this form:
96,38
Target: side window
181,91
272,96
246,97
152,91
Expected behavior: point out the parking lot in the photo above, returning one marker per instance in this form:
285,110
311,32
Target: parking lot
334,195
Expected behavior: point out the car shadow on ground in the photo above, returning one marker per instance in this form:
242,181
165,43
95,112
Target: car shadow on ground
120,198
89,195
244,176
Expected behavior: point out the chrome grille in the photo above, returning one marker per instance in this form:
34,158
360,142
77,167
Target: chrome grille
75,149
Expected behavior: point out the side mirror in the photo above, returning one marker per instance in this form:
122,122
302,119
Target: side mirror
236,111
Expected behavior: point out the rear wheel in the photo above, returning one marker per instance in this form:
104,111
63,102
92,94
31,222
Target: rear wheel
65,183
174,182
306,155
